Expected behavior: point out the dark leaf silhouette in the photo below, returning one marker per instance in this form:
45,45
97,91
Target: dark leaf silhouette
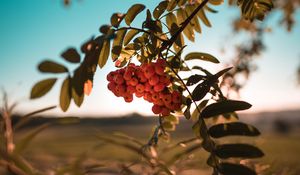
65,94
71,55
233,129
235,169
238,150
201,56
224,107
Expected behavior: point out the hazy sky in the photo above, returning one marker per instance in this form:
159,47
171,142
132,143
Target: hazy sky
34,30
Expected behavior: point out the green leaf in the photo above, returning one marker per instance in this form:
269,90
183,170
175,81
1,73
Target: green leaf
42,87
104,53
51,67
117,44
223,107
65,94
235,169
71,55
233,129
238,150
116,19
204,19
132,12
160,9
128,37
201,56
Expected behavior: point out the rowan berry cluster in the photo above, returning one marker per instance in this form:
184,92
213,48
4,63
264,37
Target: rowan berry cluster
148,81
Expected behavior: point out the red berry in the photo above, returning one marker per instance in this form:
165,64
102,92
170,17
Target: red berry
133,82
155,97
111,86
131,89
120,89
148,87
139,94
156,109
128,98
149,71
159,87
110,76
119,79
165,112
161,62
153,80
140,88
159,102
176,97
167,98
165,80
177,106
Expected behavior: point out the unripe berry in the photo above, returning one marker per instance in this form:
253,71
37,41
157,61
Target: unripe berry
165,111
140,88
159,87
153,80
119,79
156,109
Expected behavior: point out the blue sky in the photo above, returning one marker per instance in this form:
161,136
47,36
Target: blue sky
34,30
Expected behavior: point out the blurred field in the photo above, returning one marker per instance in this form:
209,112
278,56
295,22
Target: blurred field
59,146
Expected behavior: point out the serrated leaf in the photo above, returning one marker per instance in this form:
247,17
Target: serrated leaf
117,44
201,56
42,87
104,53
51,67
194,79
71,55
132,12
235,169
233,129
160,9
128,37
238,150
223,107
201,14
65,94
116,19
